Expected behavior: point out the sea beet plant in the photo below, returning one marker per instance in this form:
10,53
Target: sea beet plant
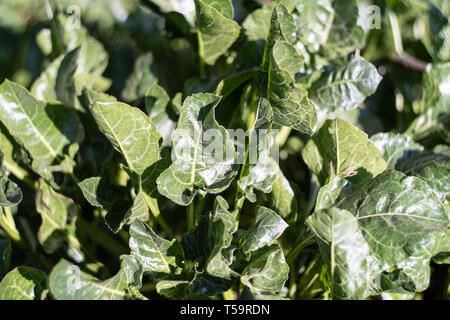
218,149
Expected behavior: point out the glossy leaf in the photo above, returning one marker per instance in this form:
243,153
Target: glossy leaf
195,166
216,29
152,251
142,78
68,282
372,228
344,150
129,130
395,147
267,228
158,107
44,130
58,214
260,170
23,283
10,193
345,87
267,271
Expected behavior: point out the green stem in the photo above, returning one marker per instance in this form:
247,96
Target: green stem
191,216
113,246
201,53
8,225
290,258
283,135
153,205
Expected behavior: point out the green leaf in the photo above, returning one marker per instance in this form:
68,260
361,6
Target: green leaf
395,147
128,129
346,87
208,242
173,289
23,283
142,78
58,214
198,163
291,106
231,83
340,148
10,193
184,7
67,75
344,248
268,227
43,129
5,257
111,198
159,109
433,168
314,21
68,282
282,198
216,29
257,24
260,169
266,272
391,221
395,212
152,251
344,35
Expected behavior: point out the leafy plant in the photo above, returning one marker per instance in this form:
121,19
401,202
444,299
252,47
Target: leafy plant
218,149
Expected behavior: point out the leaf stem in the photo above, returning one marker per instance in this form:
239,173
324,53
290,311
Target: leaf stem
190,216
290,258
201,62
153,205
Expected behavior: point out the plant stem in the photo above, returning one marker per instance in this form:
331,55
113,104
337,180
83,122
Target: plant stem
153,205
8,225
283,135
290,258
113,246
229,295
191,216
201,63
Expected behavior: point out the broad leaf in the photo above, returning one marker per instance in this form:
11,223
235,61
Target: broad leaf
159,109
260,169
184,7
313,22
267,228
344,150
388,222
10,193
216,29
152,251
395,147
346,87
267,271
111,198
199,164
142,78
68,282
23,283
58,214
344,248
128,129
433,168
45,130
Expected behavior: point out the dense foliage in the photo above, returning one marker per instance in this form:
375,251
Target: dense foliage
99,199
